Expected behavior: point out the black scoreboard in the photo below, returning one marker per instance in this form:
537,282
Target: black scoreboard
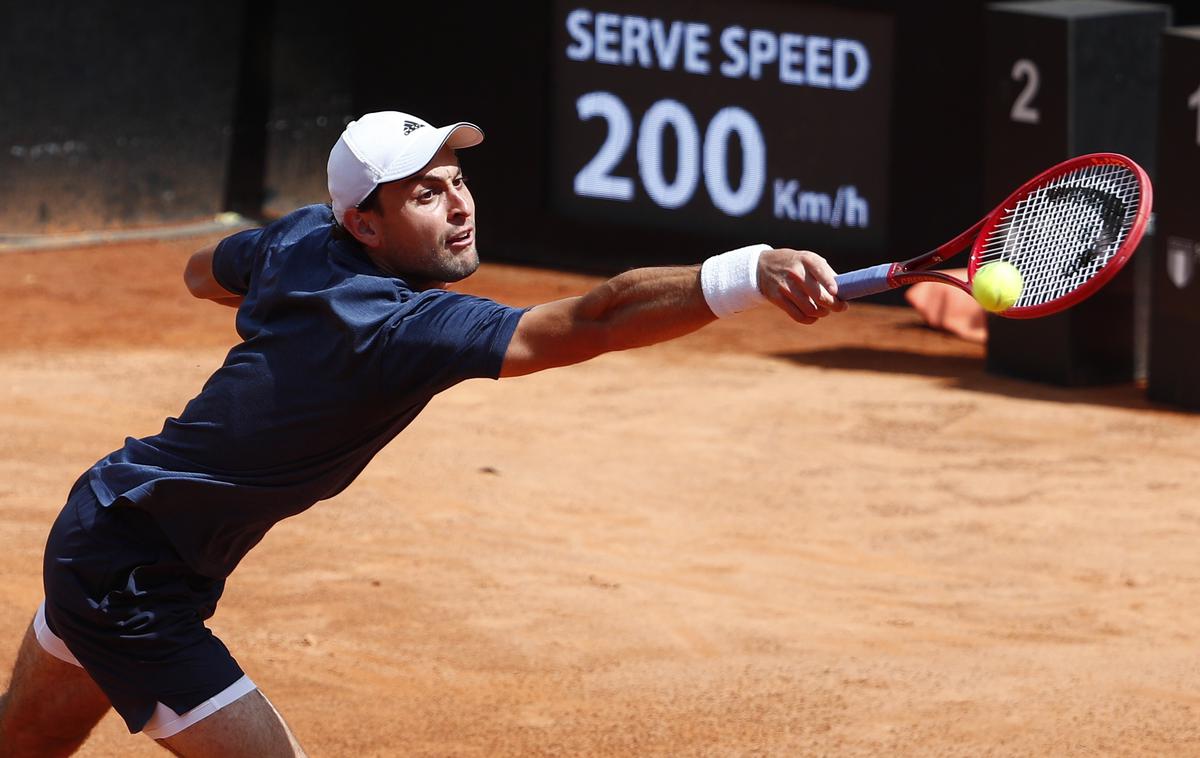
765,121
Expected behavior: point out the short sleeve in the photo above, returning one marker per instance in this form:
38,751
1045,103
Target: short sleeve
239,255
447,337
233,260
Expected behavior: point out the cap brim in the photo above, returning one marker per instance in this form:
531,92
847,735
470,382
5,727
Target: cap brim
460,135
463,134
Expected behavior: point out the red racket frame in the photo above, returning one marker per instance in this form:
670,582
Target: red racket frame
915,269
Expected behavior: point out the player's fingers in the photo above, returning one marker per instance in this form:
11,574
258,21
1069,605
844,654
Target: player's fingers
820,273
829,300
788,306
803,302
803,278
816,278
810,295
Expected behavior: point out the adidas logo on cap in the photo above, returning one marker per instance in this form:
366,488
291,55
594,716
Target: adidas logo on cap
410,127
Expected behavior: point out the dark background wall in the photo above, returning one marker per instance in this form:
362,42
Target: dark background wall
114,114
494,71
937,136
119,114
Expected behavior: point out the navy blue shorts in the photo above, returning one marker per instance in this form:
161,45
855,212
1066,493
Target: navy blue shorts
131,611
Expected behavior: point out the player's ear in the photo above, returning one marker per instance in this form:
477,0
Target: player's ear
362,226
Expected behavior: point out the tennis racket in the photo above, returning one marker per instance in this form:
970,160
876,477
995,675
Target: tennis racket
1068,231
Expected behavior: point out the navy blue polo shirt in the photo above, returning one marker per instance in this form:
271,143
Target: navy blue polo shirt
336,359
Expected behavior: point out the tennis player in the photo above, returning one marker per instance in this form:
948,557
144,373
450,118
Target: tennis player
347,332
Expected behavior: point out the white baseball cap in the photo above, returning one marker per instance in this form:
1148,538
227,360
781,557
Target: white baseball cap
384,147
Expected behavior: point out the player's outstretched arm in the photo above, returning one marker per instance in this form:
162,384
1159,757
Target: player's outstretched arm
198,277
650,305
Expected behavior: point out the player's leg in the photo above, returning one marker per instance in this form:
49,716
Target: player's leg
50,706
133,613
249,726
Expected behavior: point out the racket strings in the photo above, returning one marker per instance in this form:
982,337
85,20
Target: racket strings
1065,231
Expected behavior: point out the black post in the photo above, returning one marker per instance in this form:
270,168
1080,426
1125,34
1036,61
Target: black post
1065,78
248,143
1175,285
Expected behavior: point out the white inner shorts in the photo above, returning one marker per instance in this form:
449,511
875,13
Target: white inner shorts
165,722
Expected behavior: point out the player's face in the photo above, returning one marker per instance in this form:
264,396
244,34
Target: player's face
427,224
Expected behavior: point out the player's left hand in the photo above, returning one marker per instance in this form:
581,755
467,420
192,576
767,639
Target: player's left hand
800,283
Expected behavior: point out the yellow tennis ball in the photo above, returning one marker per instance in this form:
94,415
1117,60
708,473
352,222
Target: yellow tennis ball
997,286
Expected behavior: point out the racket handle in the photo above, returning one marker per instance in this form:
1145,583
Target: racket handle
864,281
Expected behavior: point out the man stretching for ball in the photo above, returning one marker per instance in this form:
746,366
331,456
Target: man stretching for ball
347,333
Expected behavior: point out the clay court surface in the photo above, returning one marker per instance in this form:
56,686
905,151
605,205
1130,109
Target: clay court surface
762,540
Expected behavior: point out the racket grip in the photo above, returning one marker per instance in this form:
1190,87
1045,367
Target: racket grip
864,281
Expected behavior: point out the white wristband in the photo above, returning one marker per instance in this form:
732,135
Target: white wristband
729,281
